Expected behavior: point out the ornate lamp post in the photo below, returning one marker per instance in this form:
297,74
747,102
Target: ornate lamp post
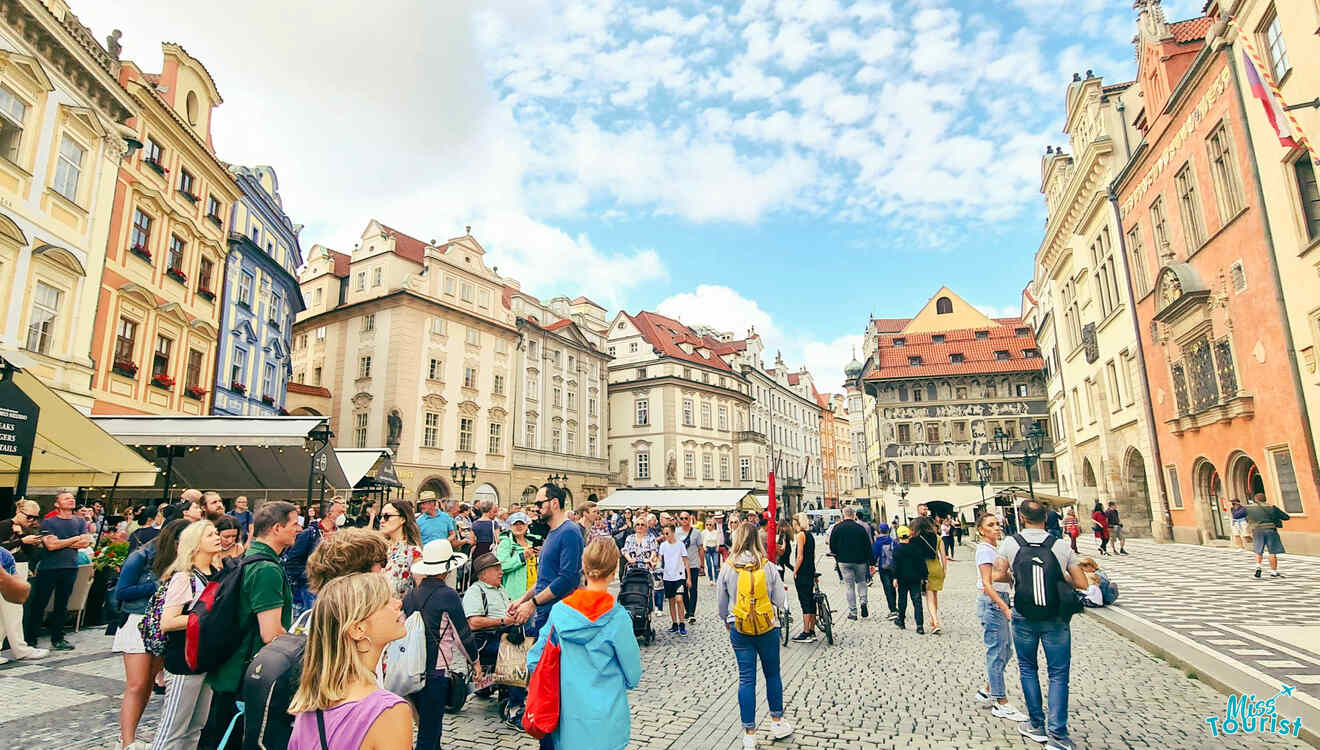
902,494
463,475
1031,450
557,479
982,477
320,438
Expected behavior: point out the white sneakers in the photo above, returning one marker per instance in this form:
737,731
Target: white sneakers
139,745
1006,711
778,730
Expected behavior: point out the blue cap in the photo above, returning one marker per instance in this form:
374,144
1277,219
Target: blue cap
883,527
519,517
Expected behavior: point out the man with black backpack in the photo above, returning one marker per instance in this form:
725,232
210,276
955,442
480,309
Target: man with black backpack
1046,580
263,610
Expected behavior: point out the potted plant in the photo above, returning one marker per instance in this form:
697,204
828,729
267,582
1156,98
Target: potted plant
177,274
125,368
195,392
161,380
205,294
110,555
141,251
238,387
268,400
161,169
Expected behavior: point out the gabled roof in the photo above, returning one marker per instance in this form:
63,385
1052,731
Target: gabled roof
890,361
406,246
342,262
666,335
555,326
889,325
585,301
1190,30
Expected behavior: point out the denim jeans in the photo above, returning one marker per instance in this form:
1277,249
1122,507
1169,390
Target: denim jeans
1056,638
906,590
712,563
854,584
431,700
891,591
747,648
303,599
998,643
690,592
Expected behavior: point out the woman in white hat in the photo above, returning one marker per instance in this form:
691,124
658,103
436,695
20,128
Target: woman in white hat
446,632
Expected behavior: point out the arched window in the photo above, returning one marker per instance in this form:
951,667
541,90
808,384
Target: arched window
943,306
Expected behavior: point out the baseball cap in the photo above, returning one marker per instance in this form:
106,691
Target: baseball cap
519,517
904,532
884,528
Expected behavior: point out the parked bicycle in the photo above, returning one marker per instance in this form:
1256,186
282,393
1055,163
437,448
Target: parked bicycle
784,613
824,615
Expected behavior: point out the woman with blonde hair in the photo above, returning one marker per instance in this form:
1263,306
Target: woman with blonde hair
804,577
399,525
748,557
339,705
187,697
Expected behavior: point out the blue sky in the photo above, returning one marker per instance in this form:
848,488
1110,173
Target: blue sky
795,165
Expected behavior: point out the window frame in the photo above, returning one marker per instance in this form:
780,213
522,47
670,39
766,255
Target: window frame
64,166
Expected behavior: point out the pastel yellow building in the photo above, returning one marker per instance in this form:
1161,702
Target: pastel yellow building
60,147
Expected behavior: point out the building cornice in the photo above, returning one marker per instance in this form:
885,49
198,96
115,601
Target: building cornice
398,297
67,44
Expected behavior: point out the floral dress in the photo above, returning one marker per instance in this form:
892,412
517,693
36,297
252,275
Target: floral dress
398,569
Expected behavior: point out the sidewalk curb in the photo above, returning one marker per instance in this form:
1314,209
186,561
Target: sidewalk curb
1221,674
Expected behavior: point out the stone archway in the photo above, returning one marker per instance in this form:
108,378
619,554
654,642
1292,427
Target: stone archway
1135,504
486,491
1210,501
305,411
1244,479
1088,491
437,484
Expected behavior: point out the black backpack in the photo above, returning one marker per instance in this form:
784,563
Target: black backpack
215,627
1041,591
268,687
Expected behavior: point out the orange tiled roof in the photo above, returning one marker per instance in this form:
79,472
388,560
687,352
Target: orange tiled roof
342,261
889,325
310,390
407,247
666,335
1190,30
979,355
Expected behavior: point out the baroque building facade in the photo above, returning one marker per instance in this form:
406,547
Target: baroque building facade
1080,307
260,300
943,383
62,137
1230,414
158,316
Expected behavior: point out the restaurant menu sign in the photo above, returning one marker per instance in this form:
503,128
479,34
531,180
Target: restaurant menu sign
18,420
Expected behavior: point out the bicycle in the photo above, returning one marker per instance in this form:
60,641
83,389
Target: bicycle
785,615
824,615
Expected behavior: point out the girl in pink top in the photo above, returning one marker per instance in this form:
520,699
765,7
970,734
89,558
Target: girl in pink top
354,618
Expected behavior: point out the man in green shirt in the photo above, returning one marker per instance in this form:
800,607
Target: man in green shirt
1265,520
266,610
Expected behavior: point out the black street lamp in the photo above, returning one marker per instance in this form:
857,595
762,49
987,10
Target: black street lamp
1031,450
320,436
557,479
982,477
902,494
463,475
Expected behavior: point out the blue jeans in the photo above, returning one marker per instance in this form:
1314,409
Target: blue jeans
712,562
998,643
303,599
746,648
1056,638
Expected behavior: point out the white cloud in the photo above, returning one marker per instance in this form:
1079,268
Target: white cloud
1000,311
722,308
826,360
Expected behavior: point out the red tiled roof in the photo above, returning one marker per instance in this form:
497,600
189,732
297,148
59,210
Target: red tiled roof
889,325
978,354
555,326
407,247
794,378
1118,86
309,390
1191,29
666,334
342,261
585,301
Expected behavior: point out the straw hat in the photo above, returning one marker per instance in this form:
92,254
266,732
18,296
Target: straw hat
438,558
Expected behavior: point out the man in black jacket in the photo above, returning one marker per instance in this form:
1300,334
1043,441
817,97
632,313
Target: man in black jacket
851,546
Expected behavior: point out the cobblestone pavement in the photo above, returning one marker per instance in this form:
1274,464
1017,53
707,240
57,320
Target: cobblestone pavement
877,688
1208,595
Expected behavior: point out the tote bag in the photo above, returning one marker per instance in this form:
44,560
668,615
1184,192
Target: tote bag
541,714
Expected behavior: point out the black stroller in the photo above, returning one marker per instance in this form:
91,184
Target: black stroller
635,596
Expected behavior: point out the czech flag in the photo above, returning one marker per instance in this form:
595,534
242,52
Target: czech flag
1273,109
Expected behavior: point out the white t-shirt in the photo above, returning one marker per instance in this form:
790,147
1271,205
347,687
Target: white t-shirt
985,555
1008,549
672,556
712,537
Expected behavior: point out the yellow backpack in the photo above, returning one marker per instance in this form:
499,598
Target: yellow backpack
753,612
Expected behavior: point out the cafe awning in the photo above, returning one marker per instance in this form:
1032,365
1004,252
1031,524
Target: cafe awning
269,457
683,499
368,467
70,450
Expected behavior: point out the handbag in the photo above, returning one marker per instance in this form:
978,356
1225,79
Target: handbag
511,662
458,681
541,712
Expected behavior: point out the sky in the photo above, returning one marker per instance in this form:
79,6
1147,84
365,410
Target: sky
793,165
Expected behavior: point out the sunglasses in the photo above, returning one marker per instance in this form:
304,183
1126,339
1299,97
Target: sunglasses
388,516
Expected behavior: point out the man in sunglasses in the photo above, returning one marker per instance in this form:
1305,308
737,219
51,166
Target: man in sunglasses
20,536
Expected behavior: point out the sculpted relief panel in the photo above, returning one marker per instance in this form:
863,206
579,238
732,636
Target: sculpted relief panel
953,411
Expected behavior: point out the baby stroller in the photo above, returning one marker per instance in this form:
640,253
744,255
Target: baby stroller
635,596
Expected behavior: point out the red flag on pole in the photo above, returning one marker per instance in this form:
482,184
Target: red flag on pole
771,525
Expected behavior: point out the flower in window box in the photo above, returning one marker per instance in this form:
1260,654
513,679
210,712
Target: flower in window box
268,400
237,387
195,392
177,274
141,251
125,368
284,412
205,293
161,380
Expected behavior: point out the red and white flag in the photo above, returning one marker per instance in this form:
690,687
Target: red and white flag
1273,108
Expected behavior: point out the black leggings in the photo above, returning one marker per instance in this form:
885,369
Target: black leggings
912,590
430,701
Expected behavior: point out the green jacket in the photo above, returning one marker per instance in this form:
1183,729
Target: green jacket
1264,516
514,566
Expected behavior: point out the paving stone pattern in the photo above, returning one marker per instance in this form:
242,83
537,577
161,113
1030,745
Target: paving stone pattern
877,688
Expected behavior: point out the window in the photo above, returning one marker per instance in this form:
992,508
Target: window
205,270
360,283
533,388
937,338
1272,34
368,322
1072,315
1309,194
689,465
316,297
689,415
612,351
69,168
316,376
959,430
160,361
745,469
320,333
632,348
276,312
591,446
469,376
269,386
964,472
1002,354
531,350
1031,353
13,112
375,276
467,292
641,373
430,429
904,433
153,154
982,335
213,207
465,434
932,433
498,387
1137,257
909,474
1238,275
642,408
937,473
186,182
724,469
943,306
473,337
439,326
643,465
495,441
435,370
193,373
174,259
364,367
914,361
724,418
899,343
1106,273
449,285
141,230
483,298
1021,390
1189,205
572,400
591,407
41,322
707,466
125,340
531,434
1175,491
501,346
1228,189
556,396
1159,225
360,430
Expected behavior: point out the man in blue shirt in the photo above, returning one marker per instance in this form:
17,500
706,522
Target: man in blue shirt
432,522
559,568
62,534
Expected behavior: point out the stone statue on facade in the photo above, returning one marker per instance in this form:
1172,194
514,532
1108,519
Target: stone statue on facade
112,44
671,469
395,423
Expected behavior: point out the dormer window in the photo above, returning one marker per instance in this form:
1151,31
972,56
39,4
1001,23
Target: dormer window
914,361
937,338
982,335
1003,354
1022,332
1031,353
956,358
900,343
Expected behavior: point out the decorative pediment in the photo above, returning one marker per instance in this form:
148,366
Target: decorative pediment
469,408
84,119
61,257
1177,288
532,415
434,401
496,413
557,419
174,311
639,445
245,332
276,347
28,68
362,400
571,424
10,231
531,370
558,379
138,293
203,328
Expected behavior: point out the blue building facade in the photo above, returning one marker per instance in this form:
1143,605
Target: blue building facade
261,298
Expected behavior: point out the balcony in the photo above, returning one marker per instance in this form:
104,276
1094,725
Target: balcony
749,436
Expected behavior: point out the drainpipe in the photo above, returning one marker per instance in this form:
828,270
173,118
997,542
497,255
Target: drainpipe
1162,494
1279,297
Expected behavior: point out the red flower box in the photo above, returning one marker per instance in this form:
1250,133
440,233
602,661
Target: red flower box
268,400
125,368
162,381
177,274
195,392
206,294
237,387
141,252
